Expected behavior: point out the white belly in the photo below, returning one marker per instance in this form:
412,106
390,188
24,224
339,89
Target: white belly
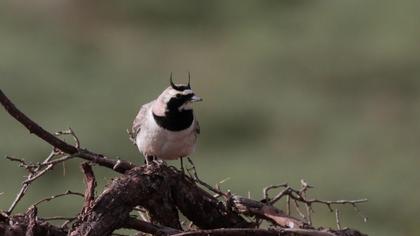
153,140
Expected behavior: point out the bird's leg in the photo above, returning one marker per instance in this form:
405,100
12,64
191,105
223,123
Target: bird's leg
149,160
158,161
181,161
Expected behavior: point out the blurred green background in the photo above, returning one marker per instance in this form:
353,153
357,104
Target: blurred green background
326,91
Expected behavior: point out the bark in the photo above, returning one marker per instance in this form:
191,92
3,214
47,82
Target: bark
160,190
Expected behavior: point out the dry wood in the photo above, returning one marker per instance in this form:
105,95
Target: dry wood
161,191
265,211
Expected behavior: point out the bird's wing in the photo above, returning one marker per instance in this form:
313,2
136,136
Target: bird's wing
139,120
197,127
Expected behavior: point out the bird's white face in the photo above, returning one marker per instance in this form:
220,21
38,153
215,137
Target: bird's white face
180,100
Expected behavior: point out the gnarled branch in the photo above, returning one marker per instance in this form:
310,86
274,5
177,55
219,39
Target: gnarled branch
34,128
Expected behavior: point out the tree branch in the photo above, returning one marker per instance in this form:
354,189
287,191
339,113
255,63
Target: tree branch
149,228
270,232
34,128
265,211
90,186
18,225
158,189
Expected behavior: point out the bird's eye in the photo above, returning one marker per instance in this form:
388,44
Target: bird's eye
178,95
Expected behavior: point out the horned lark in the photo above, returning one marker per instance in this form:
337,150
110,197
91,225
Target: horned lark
166,127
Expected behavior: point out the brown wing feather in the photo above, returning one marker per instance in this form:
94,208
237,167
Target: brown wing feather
197,127
139,120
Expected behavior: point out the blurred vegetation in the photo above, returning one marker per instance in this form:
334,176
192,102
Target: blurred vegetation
328,91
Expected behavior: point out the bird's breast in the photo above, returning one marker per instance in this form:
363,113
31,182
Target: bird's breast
154,140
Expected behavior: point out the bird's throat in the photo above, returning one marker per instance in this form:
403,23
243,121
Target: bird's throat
175,120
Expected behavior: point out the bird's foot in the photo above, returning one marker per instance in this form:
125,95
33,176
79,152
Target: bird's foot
158,162
151,160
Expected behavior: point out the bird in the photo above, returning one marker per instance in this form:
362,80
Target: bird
166,128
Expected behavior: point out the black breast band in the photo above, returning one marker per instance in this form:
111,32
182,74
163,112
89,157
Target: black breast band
175,120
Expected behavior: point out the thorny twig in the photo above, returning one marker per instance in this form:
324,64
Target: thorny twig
270,187
39,169
68,192
194,176
299,195
70,132
22,163
34,173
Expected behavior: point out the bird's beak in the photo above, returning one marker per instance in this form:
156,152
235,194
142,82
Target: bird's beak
196,98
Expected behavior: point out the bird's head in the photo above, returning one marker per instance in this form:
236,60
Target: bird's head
176,98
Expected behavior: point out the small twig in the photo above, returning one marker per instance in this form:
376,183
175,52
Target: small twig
52,218
218,184
281,194
35,171
19,196
305,185
194,176
300,196
308,206
65,223
72,133
268,188
68,192
288,205
56,161
22,163
359,212
38,174
308,214
298,210
117,164
52,154
337,218
265,211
